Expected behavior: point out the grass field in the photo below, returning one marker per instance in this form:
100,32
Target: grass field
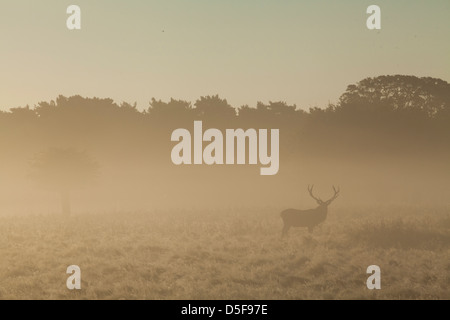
229,254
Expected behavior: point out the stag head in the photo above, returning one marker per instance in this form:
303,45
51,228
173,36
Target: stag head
319,201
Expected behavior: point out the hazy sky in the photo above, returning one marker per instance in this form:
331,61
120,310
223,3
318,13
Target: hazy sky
303,52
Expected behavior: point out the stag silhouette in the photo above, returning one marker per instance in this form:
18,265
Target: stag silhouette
307,218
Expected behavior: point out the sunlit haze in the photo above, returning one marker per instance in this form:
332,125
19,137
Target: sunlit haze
301,52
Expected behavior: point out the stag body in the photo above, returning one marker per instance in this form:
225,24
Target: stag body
307,218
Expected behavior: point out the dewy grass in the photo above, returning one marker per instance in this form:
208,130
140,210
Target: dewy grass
215,255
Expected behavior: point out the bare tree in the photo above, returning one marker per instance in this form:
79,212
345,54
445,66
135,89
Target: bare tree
63,170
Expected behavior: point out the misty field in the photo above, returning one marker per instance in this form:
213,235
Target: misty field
227,254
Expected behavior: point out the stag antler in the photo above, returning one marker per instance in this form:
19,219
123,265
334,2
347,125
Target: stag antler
336,193
310,190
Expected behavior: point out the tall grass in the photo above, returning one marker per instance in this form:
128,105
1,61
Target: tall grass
227,255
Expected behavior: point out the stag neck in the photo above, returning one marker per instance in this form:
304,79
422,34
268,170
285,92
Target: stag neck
323,208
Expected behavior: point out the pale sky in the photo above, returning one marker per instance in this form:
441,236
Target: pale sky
302,52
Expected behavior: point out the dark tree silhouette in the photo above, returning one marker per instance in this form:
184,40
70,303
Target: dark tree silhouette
214,109
174,112
171,108
279,108
25,113
63,170
399,92
267,112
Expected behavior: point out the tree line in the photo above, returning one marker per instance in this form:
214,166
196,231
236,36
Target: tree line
377,111
402,117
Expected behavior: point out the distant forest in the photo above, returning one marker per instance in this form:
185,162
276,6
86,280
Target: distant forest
388,127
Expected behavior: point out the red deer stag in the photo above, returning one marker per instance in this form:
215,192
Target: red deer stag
307,218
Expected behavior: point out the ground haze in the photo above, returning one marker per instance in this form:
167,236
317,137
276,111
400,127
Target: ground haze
233,254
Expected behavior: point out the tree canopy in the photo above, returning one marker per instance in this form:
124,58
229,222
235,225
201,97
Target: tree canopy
399,92
59,168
